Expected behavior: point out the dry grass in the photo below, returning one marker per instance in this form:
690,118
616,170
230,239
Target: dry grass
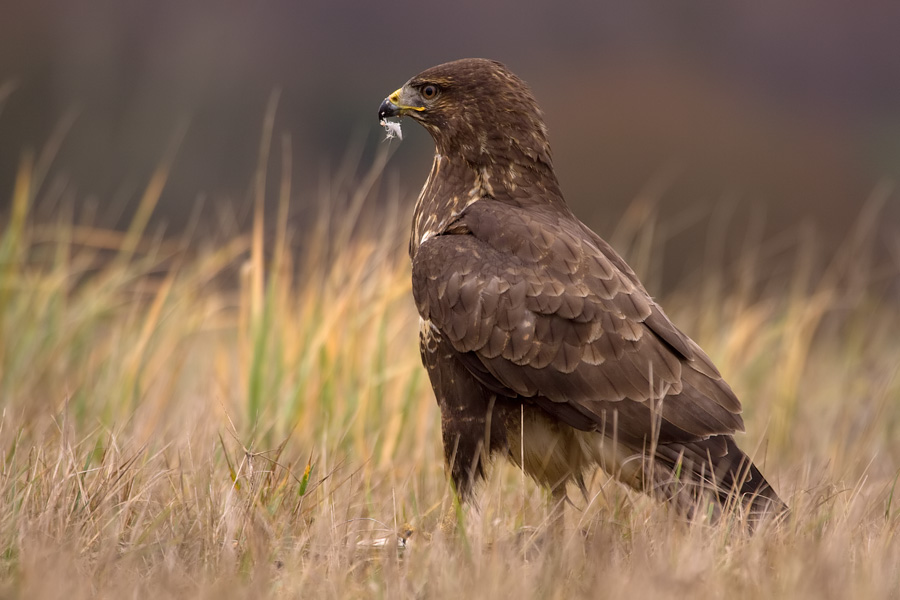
224,420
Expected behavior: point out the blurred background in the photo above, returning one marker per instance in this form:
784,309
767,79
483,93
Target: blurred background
758,120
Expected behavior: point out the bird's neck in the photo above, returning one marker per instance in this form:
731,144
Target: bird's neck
455,182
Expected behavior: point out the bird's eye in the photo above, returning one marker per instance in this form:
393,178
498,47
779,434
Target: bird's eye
429,92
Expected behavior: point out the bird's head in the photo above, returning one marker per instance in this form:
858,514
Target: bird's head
475,108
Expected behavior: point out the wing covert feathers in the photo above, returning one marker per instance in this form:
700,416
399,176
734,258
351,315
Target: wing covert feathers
546,311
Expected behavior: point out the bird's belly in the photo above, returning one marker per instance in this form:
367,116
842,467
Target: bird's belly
554,453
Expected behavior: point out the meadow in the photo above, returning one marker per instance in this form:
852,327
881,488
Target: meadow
245,414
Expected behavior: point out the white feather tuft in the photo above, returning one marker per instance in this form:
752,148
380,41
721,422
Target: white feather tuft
393,129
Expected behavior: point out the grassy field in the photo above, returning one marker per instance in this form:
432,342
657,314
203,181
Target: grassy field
221,417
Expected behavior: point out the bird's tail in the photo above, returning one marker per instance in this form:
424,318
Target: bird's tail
712,476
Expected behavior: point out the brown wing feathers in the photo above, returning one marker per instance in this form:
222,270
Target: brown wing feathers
565,329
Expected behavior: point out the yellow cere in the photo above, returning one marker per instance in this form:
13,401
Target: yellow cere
395,99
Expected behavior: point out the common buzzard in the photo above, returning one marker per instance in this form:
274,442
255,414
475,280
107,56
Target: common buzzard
539,340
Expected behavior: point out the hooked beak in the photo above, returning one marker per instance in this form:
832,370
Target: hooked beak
393,106
388,109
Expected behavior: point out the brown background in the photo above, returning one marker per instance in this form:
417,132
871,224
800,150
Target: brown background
787,112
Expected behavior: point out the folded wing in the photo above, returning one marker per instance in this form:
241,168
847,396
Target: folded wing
540,307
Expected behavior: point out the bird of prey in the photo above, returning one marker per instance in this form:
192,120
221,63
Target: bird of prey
540,341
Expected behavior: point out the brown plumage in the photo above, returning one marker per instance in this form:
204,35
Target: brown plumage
540,342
